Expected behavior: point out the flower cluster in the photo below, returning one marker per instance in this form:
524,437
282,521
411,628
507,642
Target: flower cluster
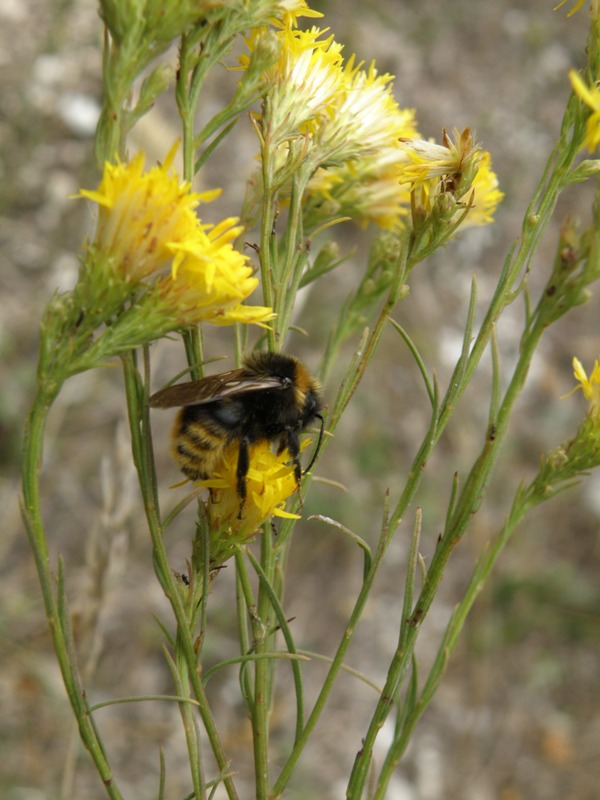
330,122
336,121
153,248
340,123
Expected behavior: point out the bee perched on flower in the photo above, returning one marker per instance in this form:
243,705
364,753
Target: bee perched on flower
222,438
271,398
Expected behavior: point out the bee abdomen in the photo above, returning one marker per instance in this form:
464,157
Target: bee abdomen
195,448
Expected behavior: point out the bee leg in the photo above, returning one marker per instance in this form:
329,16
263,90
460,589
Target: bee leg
242,471
290,440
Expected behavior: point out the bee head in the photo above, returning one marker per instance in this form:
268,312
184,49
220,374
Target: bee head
307,394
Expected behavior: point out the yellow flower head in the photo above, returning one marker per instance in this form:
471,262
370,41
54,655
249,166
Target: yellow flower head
346,112
455,167
365,118
589,386
149,235
591,97
366,190
365,138
141,213
303,82
426,161
269,482
210,279
349,123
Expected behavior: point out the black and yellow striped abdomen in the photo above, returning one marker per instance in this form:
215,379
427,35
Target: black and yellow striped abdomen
197,442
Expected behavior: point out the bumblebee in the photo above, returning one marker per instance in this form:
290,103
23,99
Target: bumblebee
271,398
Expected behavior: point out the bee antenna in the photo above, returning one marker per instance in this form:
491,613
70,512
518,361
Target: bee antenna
319,442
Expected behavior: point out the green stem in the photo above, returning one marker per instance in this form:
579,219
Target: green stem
245,608
198,54
387,531
186,661
54,600
337,664
263,675
268,265
466,505
275,594
539,213
186,103
293,257
516,265
478,579
194,351
408,633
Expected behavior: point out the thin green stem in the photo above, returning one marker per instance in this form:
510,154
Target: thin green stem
537,217
179,671
246,607
185,642
194,351
336,663
466,505
451,636
274,599
470,497
263,674
268,265
388,528
408,633
54,600
186,105
293,258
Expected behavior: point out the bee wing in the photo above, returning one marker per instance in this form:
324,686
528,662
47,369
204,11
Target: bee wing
214,387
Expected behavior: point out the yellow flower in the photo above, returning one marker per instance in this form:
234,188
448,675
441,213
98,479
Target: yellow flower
302,82
365,186
425,161
453,168
141,213
344,110
365,118
149,234
210,279
269,482
339,119
591,97
575,8
590,386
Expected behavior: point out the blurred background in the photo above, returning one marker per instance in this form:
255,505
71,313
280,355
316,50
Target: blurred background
518,714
